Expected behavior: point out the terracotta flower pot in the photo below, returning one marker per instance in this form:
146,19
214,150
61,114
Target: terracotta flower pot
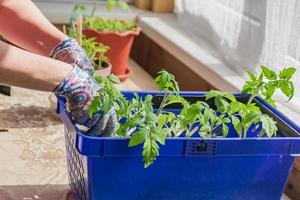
120,46
162,6
105,71
143,4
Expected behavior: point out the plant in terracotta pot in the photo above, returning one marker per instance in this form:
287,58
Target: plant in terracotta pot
119,35
96,51
97,55
115,33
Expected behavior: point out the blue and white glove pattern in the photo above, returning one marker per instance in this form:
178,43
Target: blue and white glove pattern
79,89
70,52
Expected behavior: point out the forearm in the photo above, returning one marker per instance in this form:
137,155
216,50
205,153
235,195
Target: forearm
22,23
24,69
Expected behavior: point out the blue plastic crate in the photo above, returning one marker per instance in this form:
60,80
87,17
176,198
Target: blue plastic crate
103,168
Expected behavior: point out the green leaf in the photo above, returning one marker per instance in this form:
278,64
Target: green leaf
237,124
113,78
287,73
166,81
269,74
150,151
222,105
138,138
268,125
287,88
254,108
219,94
251,76
176,99
270,89
111,4
225,130
160,136
123,5
236,107
93,108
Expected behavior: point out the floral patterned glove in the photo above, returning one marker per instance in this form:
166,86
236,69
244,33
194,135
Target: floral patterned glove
79,89
70,52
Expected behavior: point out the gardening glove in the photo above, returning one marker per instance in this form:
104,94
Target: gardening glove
70,52
79,89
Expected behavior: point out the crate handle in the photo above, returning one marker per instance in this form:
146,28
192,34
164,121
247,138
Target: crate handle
200,148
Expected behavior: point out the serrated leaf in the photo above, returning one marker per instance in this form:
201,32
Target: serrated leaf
166,81
138,138
287,88
160,136
269,74
268,125
270,89
150,151
287,73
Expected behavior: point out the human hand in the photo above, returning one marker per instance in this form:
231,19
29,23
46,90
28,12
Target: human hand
79,89
70,52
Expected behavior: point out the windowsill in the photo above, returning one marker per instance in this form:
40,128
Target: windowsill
165,31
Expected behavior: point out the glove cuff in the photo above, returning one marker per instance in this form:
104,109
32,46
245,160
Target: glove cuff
69,42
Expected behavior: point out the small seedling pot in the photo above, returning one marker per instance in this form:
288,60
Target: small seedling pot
105,71
120,46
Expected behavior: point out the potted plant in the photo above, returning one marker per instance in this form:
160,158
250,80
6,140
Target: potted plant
211,145
96,51
246,117
97,54
115,33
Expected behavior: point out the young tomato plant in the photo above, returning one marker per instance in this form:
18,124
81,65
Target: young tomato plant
149,126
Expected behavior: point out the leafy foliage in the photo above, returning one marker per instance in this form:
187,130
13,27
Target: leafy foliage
109,25
96,52
268,81
149,127
111,4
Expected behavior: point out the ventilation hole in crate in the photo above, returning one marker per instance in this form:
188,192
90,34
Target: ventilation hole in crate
201,148
76,170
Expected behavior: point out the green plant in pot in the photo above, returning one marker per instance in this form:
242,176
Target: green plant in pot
117,34
97,55
96,51
210,116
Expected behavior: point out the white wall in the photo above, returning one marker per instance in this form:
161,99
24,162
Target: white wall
248,33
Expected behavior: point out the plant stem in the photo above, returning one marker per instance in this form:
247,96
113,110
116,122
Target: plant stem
255,93
162,104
